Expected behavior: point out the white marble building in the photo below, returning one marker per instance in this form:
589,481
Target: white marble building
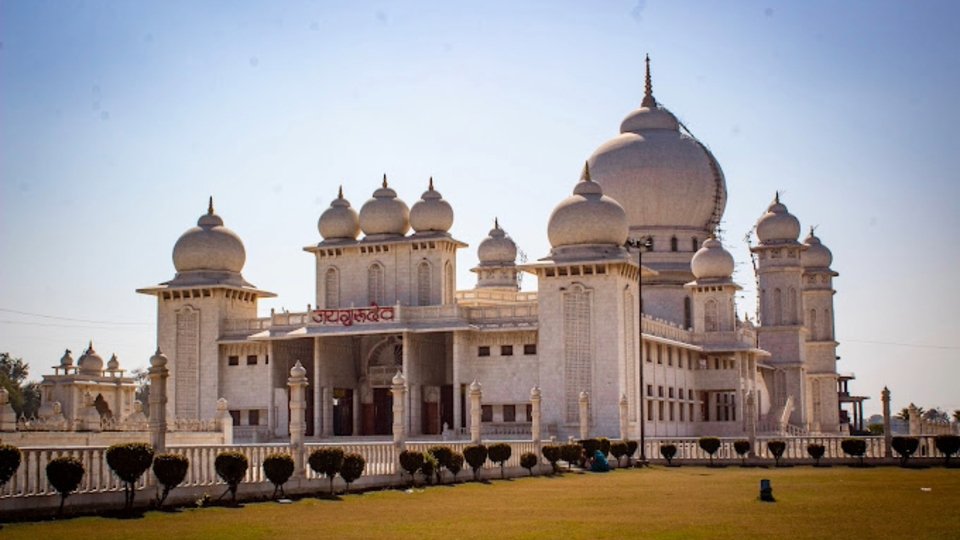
635,304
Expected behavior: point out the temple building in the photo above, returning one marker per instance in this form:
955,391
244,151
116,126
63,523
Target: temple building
635,306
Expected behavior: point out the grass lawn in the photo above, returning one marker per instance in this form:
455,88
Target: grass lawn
686,502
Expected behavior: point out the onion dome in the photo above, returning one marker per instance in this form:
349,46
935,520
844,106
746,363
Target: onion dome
398,379
384,214
158,359
712,261
340,221
66,360
497,248
431,213
660,173
113,364
209,246
90,363
777,225
587,217
816,255
298,371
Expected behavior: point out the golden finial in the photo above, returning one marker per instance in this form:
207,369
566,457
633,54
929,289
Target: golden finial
776,197
210,206
430,187
384,179
648,100
340,192
496,223
585,176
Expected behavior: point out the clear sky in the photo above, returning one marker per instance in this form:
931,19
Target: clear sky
118,119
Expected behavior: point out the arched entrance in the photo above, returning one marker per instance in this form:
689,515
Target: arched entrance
380,365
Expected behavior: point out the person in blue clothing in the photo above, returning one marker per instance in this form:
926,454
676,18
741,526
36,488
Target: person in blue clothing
599,463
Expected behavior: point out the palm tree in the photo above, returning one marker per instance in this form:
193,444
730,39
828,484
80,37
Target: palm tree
956,415
904,413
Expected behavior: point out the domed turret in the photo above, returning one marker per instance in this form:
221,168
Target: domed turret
66,361
497,248
113,364
209,246
663,177
712,261
158,360
587,217
340,221
384,214
778,225
90,363
431,213
816,255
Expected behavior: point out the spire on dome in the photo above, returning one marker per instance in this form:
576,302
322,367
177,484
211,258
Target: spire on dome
210,206
496,223
585,176
648,100
384,179
340,192
430,187
776,197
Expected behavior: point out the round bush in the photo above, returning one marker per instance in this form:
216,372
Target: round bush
710,445
777,448
618,450
64,474
231,467
741,447
442,454
129,461
571,453
278,468
529,460
590,446
170,470
429,467
905,446
948,445
604,446
499,453
816,451
411,461
352,468
326,461
476,456
632,447
456,464
854,447
9,462
552,454
668,451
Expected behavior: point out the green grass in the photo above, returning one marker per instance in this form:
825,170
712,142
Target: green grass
687,502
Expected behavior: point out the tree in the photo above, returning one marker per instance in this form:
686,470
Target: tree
904,413
170,470
129,461
231,467
327,461
948,445
618,450
777,448
571,453
278,468
456,464
816,451
476,456
710,445
352,468
529,460
9,462
668,451
429,467
905,446
742,447
443,454
411,461
552,454
141,377
956,415
937,416
499,453
64,474
632,447
24,396
854,447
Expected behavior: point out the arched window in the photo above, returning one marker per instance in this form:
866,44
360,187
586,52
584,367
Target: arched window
331,289
817,400
449,287
777,307
577,347
695,243
814,331
711,316
673,244
687,316
375,292
827,325
423,284
791,315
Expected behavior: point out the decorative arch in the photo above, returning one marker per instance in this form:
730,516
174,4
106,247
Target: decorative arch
449,287
424,275
388,364
777,307
711,316
375,284
331,288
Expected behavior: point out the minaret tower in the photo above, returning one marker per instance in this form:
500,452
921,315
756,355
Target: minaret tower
821,345
498,255
781,330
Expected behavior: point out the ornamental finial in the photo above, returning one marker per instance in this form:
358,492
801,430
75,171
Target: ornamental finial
210,206
648,100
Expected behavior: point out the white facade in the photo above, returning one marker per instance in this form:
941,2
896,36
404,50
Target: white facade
637,231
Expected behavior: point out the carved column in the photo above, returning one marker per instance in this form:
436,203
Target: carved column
751,411
914,420
158,401
624,418
298,405
8,418
399,399
887,435
535,415
225,420
476,393
584,414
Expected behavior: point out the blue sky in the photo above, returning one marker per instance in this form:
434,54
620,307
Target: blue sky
118,119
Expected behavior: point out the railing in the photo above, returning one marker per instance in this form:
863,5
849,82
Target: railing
490,314
660,328
233,326
688,448
481,295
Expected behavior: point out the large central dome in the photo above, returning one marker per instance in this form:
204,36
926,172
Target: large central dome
660,174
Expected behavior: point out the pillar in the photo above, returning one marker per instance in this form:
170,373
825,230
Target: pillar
8,418
887,435
584,414
326,403
318,409
273,383
225,420
357,413
535,415
624,418
399,390
459,349
751,412
476,393
914,420
158,373
298,406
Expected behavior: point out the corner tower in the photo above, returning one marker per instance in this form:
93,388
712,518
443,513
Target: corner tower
821,346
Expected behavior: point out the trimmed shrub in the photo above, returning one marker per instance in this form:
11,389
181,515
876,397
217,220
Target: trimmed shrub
9,462
278,468
411,461
816,451
854,447
551,453
64,474
742,448
590,446
456,464
632,447
429,468
604,446
129,461
170,470
327,461
476,456
668,451
499,453
948,445
231,467
906,447
443,455
618,450
710,445
352,468
777,448
529,460
571,453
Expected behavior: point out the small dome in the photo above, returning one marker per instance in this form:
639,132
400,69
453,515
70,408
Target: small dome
398,379
497,248
712,261
90,363
209,246
587,217
816,255
340,221
66,360
158,359
384,214
431,213
298,371
778,224
113,364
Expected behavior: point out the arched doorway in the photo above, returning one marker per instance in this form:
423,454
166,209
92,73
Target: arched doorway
380,365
